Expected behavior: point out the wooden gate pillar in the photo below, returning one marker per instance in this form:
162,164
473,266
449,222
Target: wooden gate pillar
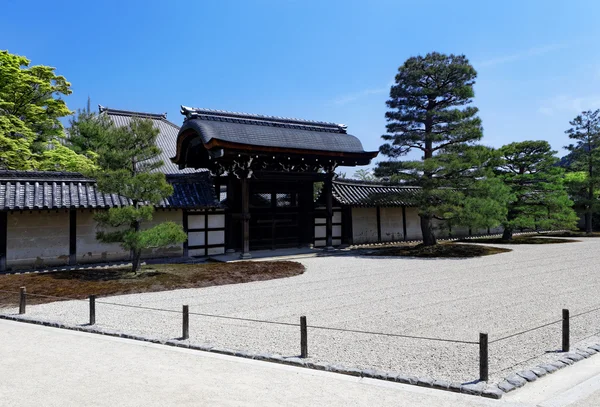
3,240
245,220
329,211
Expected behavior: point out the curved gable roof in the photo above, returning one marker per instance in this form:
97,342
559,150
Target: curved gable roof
216,128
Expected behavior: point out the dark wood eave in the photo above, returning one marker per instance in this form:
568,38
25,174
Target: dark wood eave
236,148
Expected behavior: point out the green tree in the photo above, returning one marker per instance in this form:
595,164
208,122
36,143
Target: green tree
430,113
61,158
86,130
364,175
30,108
127,158
540,198
584,156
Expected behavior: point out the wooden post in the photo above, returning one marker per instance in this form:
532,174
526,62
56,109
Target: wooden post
92,310
329,210
245,219
378,209
184,222
186,323
22,300
3,240
404,222
483,357
72,237
566,345
303,338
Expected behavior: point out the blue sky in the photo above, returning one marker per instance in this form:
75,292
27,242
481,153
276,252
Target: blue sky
538,61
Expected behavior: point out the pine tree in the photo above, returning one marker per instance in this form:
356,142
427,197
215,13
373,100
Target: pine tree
540,199
127,160
430,113
585,156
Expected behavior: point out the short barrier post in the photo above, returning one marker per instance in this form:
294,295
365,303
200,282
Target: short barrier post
566,342
483,357
92,310
186,323
22,300
303,338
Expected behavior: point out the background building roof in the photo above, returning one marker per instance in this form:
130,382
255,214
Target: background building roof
29,190
166,139
372,193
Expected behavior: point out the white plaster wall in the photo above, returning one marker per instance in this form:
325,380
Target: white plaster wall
391,224
90,250
37,239
364,225
413,224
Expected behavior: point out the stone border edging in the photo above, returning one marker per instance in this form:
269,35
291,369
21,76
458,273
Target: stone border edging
510,383
519,379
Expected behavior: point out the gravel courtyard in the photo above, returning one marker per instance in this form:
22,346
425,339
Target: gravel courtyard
440,298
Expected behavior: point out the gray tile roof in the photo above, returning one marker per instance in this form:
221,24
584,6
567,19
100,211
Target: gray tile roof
269,131
30,190
166,140
370,194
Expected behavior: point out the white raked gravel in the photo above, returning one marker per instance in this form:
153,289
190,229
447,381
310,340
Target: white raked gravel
452,298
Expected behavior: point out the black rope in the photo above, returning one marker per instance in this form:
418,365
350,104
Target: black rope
197,313
585,312
524,332
392,335
245,319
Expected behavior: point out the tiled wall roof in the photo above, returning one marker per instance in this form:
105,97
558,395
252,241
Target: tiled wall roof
30,190
370,193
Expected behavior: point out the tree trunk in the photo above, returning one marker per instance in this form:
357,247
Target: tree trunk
507,234
135,261
427,231
590,210
588,222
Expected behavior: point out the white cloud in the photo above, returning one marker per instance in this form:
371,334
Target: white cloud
571,104
531,52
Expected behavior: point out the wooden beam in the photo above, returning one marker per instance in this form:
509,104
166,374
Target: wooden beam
72,237
378,224
329,210
184,222
3,240
404,222
245,219
206,232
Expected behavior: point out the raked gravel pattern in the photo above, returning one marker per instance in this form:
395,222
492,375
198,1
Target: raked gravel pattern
439,298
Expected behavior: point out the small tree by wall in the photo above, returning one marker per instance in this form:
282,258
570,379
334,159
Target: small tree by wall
127,158
539,195
585,157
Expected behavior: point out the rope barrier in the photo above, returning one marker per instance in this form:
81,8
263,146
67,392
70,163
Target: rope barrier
526,331
392,335
326,328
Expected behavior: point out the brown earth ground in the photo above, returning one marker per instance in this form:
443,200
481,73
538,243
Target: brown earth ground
80,284
441,250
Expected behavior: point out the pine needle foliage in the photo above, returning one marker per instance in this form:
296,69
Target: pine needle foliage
127,159
431,112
